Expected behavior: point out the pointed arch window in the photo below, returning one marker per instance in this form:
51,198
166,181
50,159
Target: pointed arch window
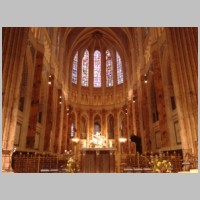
97,124
85,69
97,68
119,69
109,69
74,68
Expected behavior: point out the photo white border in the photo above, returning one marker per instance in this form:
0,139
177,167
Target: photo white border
99,13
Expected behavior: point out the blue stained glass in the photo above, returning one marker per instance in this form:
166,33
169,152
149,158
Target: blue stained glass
97,68
74,68
109,69
119,69
85,68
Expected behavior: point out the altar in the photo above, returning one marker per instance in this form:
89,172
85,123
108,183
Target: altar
98,160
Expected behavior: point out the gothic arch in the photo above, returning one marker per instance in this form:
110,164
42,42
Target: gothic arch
97,124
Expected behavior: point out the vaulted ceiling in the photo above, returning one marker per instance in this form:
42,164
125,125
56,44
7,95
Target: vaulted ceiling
76,38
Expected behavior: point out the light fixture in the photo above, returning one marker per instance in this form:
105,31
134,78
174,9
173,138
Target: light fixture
75,140
67,152
49,82
122,139
60,99
134,98
125,109
14,149
69,109
145,78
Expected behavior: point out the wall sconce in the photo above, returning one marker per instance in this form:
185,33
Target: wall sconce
145,78
134,99
125,109
69,109
122,140
50,79
60,99
75,140
14,149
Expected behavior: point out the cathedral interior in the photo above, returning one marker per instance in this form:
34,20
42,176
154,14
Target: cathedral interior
99,99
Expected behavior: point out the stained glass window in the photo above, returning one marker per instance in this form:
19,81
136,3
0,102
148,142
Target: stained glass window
109,69
74,68
97,68
119,69
85,68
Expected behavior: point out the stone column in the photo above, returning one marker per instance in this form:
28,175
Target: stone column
91,125
117,144
64,130
103,75
134,113
130,109
116,128
79,76
58,119
183,52
34,110
114,61
103,128
145,114
13,52
158,84
130,124
78,126
137,118
78,134
49,116
90,78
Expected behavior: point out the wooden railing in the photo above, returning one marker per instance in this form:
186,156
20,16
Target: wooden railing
30,162
37,163
140,162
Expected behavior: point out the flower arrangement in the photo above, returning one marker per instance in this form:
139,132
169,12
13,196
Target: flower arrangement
159,166
72,166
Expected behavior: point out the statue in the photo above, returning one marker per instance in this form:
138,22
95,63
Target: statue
97,141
